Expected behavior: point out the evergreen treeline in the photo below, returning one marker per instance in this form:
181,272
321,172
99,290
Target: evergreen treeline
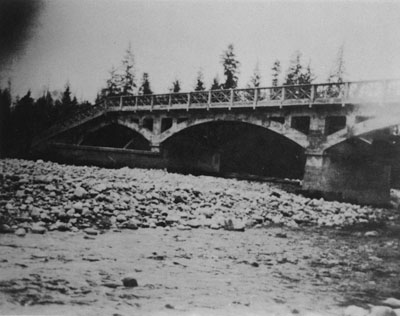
26,117
122,80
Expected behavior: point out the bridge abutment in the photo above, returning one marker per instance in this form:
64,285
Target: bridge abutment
334,178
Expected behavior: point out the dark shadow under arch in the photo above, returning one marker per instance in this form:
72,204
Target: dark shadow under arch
243,148
116,136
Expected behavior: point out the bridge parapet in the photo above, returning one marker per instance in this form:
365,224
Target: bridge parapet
76,118
373,91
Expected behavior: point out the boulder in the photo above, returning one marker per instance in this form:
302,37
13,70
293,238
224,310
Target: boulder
132,224
38,229
353,310
129,281
372,233
78,206
91,231
381,311
21,232
392,302
80,193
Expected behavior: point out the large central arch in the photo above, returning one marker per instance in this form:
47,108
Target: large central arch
242,148
279,128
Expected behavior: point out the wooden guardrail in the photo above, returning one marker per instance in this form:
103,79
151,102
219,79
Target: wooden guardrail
324,93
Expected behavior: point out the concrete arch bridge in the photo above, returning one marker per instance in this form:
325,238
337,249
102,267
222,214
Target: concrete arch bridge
343,135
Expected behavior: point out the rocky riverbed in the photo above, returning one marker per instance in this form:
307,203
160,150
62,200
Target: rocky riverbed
85,240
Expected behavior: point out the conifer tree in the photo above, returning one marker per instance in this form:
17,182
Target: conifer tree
231,67
22,123
255,80
295,70
127,78
200,82
176,86
145,86
215,84
297,74
338,70
113,84
276,71
5,123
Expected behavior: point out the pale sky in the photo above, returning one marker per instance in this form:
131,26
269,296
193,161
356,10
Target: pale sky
80,40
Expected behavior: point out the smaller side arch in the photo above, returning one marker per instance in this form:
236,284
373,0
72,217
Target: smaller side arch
131,126
360,129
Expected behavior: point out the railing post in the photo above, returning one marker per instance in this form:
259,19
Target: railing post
255,98
169,102
384,91
136,103
231,99
120,102
312,95
209,100
151,103
283,96
345,93
105,104
188,101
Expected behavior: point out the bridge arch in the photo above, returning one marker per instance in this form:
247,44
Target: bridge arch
117,131
131,125
238,146
361,129
281,129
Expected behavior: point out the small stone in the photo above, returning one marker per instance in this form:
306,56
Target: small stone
169,306
37,229
35,212
50,187
61,226
20,193
71,212
132,224
392,302
353,310
381,311
4,228
183,227
91,231
372,233
281,235
21,232
78,206
235,225
80,192
86,212
172,219
129,281
194,223
121,218
100,187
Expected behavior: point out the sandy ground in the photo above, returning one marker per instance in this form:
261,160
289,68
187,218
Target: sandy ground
267,271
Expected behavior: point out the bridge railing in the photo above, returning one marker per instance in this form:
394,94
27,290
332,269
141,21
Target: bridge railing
79,115
343,92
